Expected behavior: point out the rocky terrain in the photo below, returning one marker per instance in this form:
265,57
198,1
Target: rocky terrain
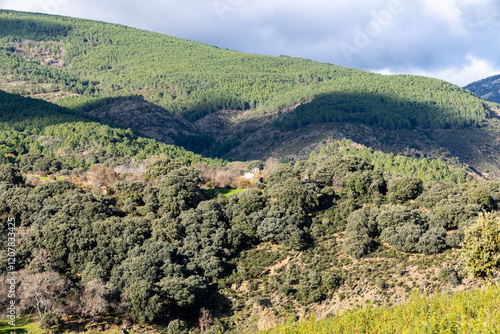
488,89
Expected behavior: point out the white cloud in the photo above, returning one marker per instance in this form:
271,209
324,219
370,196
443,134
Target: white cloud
425,35
447,12
473,69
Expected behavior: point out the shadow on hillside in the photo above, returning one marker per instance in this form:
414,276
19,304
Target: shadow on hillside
17,27
22,112
383,111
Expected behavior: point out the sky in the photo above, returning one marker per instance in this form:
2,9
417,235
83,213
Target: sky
453,40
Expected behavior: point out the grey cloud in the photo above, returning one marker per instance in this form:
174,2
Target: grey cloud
412,39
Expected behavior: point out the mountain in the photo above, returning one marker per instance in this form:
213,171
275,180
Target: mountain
488,89
33,129
238,106
92,60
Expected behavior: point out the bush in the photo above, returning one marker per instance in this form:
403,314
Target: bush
160,167
50,320
10,174
453,213
398,215
314,278
480,197
404,238
405,188
177,326
358,245
333,170
281,175
363,221
332,281
306,294
281,226
448,276
292,193
433,241
481,251
455,238
380,283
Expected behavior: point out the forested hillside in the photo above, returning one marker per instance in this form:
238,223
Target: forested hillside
156,248
33,130
96,60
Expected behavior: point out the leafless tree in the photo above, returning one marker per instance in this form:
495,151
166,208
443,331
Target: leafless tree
205,320
42,261
43,292
93,299
271,165
100,175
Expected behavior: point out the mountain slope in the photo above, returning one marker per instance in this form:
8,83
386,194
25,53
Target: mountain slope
488,89
32,129
96,59
223,103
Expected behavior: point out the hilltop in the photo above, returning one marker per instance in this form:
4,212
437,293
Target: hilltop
488,89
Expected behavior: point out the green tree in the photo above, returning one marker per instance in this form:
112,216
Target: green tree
160,167
292,193
481,247
404,188
10,174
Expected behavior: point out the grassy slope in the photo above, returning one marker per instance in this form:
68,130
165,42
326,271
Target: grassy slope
476,311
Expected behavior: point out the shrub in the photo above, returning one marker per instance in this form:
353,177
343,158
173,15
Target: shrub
398,215
358,245
448,276
50,320
404,238
432,241
455,238
292,193
405,188
481,251
314,278
380,283
177,326
453,213
363,221
332,281
10,174
160,167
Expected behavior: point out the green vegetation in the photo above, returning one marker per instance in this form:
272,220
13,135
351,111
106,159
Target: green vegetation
482,248
225,192
195,79
115,224
423,168
48,138
465,312
150,248
23,325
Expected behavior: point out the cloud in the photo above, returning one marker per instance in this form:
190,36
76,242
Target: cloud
473,69
430,36
447,12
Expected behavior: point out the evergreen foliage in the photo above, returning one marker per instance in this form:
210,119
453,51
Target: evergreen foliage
41,136
196,79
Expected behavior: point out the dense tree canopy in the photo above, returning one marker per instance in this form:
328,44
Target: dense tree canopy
196,79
